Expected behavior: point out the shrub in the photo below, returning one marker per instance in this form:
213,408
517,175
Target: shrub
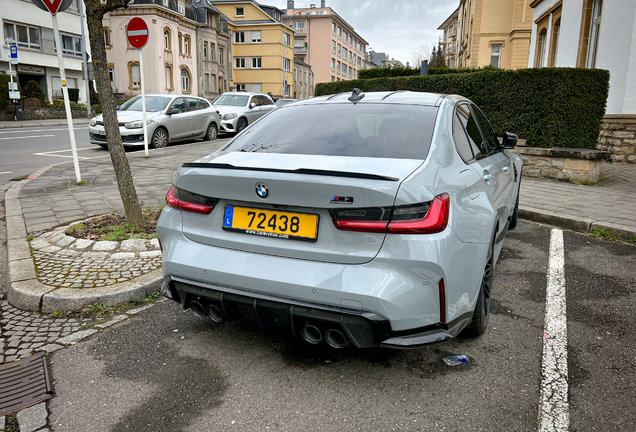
550,107
32,89
73,95
5,103
396,72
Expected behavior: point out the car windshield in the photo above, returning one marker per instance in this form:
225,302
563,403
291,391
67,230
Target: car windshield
231,100
364,130
153,103
281,102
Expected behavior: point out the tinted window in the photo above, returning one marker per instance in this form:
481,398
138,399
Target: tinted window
194,104
266,100
472,131
461,140
231,100
153,104
179,103
367,130
486,129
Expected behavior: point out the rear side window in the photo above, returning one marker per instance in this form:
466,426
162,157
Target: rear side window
362,130
461,140
475,140
486,129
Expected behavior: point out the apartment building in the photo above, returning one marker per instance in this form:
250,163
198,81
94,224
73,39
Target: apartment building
492,32
32,30
303,79
213,40
448,40
327,42
261,47
170,56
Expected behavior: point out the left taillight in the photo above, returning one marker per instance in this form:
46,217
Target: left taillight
190,201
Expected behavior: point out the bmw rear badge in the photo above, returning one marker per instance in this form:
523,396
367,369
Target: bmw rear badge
262,190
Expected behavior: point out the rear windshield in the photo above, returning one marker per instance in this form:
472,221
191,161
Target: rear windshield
363,130
231,100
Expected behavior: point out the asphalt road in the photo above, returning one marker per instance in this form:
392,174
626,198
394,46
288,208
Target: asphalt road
166,370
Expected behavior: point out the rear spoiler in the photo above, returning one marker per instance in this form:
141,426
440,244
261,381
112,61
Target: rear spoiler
305,171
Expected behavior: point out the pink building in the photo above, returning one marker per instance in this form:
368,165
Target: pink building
326,41
170,57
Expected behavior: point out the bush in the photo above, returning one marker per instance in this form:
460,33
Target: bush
4,92
73,95
32,89
550,107
396,72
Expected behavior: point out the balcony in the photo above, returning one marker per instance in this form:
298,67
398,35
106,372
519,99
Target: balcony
442,41
301,32
300,50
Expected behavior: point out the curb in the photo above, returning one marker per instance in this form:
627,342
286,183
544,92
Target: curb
17,125
25,292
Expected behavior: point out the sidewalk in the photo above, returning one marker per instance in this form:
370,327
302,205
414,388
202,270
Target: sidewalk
40,123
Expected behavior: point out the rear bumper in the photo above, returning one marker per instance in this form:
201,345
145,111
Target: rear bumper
364,329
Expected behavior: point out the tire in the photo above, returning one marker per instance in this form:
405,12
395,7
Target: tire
479,323
515,213
159,138
212,132
104,146
242,124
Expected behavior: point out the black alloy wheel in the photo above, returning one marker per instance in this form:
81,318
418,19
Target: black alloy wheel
478,325
242,124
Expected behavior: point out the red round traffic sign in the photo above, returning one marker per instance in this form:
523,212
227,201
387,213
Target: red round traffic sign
137,33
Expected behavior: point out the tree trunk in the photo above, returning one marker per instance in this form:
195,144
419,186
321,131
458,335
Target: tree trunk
94,14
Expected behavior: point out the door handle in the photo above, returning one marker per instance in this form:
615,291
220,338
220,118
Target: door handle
487,177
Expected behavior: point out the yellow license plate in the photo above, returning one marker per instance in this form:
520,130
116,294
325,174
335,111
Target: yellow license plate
271,223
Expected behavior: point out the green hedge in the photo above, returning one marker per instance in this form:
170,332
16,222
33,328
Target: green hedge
550,107
4,90
396,72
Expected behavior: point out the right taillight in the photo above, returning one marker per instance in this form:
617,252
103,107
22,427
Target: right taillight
190,201
423,218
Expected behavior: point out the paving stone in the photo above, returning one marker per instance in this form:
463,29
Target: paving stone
24,353
105,246
32,418
82,244
150,254
114,320
123,256
65,241
133,245
50,347
154,243
39,243
75,337
139,309
56,236
51,249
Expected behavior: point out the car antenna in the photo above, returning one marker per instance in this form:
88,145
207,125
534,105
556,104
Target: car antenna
356,96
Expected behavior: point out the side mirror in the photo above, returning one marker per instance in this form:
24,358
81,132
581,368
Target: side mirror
252,105
173,110
509,140
117,107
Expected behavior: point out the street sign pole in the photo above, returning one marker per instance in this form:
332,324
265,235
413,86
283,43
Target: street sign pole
67,103
137,35
15,117
143,101
13,60
86,81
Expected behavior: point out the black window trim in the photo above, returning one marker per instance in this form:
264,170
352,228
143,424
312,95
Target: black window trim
492,150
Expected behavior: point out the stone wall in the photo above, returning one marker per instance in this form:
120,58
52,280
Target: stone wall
43,114
581,166
619,137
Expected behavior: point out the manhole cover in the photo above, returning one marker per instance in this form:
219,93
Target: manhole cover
23,383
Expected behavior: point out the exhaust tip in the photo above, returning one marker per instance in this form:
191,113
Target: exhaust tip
311,334
215,313
197,308
336,339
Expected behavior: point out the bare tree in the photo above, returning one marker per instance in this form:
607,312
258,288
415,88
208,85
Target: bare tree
418,54
95,11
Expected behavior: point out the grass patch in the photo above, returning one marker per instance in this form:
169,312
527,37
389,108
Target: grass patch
604,233
29,238
97,313
11,424
80,183
115,227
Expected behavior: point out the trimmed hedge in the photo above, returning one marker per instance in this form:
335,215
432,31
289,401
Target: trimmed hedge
396,72
550,107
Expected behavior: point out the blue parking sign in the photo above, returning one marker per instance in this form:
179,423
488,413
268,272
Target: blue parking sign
14,54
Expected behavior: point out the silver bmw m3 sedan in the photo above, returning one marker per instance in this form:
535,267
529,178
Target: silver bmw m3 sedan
372,219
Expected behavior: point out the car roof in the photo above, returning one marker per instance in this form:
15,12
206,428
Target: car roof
172,95
395,97
240,93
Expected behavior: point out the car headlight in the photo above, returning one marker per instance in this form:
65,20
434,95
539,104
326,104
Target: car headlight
137,124
229,116
93,122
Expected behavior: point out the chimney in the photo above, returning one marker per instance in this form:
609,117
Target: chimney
290,4
322,4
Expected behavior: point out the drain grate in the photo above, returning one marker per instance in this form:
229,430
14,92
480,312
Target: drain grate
23,383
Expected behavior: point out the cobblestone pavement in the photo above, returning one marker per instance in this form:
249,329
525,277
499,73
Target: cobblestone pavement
64,261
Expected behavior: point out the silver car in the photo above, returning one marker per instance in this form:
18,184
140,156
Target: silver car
380,227
170,118
240,109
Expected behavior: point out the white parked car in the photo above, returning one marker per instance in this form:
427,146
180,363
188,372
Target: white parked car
239,109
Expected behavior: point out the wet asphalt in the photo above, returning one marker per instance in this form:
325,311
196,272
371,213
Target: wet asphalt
166,370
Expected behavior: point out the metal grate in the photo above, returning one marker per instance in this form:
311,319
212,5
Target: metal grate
23,383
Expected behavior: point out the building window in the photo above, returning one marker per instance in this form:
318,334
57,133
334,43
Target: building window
359,62
240,87
495,56
165,3
134,76
339,50
256,36
541,49
238,12
239,37
185,80
333,65
182,8
298,25
345,53
344,69
212,82
333,78
107,37
239,62
26,37
167,39
339,33
186,46
333,28
72,45
169,78
256,62
286,64
206,83
345,37
286,39
588,36
221,56
212,48
595,27
338,67
111,74
554,40
205,50
333,47
359,47
295,75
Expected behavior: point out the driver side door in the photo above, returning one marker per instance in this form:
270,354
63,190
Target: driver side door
179,124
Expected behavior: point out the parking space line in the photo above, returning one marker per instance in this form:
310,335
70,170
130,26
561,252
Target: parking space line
24,137
553,407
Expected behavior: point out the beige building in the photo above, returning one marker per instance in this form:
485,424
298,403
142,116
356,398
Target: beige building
303,80
213,42
448,40
491,32
326,41
170,56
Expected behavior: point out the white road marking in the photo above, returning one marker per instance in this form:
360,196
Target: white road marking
47,130
62,151
6,172
57,155
24,137
553,408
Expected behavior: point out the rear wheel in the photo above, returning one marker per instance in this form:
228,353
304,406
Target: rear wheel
242,124
515,214
212,132
478,325
159,138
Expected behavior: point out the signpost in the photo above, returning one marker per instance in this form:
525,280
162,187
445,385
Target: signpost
55,6
13,87
137,34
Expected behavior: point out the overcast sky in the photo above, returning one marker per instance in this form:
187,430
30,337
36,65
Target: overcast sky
396,27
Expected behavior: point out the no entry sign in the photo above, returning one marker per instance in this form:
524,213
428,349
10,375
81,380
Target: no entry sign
137,33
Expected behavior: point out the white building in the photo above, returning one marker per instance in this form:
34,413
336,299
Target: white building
32,28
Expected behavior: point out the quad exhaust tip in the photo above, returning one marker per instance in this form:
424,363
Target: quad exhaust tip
336,339
312,334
